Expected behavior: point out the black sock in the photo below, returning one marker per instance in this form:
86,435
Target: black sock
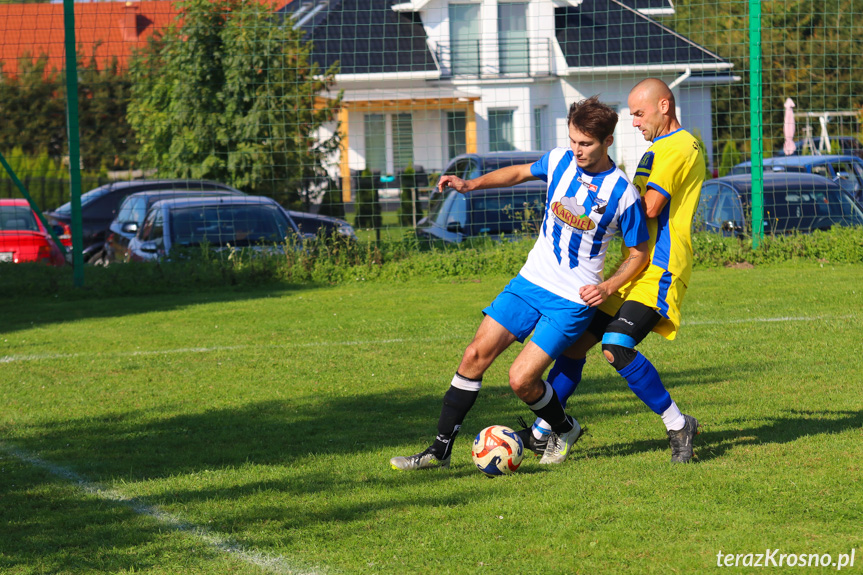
549,408
456,403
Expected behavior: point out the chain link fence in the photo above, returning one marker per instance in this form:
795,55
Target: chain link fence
353,108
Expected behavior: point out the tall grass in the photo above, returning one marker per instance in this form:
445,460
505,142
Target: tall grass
336,261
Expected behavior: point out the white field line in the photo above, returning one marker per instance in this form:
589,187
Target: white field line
269,563
37,357
767,320
48,356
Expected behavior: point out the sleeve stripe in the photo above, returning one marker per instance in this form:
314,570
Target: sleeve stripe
658,189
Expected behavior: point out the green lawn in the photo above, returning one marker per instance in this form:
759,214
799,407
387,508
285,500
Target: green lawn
266,419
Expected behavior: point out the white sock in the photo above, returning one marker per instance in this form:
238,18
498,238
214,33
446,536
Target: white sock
672,418
540,428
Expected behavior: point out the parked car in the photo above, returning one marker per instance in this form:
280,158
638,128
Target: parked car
23,238
313,225
130,218
493,212
240,221
847,171
99,207
466,166
792,202
848,145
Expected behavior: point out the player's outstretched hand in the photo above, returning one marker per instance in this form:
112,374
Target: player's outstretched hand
593,295
453,182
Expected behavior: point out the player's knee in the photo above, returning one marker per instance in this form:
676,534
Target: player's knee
518,380
472,355
527,390
617,355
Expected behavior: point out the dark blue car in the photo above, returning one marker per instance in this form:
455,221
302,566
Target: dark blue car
99,207
254,222
454,217
848,145
130,218
793,202
494,212
845,170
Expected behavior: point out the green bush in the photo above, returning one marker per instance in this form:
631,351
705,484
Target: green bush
697,135
730,158
368,202
338,260
838,245
332,204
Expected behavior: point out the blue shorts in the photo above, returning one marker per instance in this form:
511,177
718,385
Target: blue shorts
556,322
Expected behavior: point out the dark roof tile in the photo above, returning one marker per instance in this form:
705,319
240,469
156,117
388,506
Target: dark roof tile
607,33
364,36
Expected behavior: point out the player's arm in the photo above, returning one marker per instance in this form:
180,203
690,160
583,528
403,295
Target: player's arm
654,202
502,178
594,295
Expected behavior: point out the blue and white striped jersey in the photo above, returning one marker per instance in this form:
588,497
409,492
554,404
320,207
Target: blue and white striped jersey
582,212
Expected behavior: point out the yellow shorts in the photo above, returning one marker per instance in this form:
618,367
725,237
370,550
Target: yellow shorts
656,288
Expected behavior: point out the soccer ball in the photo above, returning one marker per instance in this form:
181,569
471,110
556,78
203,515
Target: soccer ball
497,450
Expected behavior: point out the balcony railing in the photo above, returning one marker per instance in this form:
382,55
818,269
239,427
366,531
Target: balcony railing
504,58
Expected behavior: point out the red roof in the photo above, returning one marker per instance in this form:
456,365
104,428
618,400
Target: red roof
116,27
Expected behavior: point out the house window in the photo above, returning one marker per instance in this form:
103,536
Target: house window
456,129
389,142
376,142
512,37
464,38
538,120
500,131
403,141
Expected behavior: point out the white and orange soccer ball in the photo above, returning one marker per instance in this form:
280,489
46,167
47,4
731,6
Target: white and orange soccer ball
497,450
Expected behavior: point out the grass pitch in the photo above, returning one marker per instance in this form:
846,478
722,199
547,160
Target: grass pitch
250,432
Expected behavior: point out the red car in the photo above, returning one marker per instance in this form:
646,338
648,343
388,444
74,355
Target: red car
23,237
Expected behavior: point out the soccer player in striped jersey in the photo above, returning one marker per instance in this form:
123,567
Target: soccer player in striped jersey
669,178
555,294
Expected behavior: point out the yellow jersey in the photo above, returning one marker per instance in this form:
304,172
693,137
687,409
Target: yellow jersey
674,166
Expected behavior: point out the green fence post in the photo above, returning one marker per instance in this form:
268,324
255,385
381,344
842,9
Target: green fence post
74,141
23,189
756,122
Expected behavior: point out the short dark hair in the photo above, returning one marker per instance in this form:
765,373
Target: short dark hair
592,117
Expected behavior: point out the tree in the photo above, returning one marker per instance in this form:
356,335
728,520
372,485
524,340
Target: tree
33,111
32,108
103,98
331,202
730,158
810,51
697,135
368,202
229,93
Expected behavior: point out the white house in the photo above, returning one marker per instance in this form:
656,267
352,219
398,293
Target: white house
426,80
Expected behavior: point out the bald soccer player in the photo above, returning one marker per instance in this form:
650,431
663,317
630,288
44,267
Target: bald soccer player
669,178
